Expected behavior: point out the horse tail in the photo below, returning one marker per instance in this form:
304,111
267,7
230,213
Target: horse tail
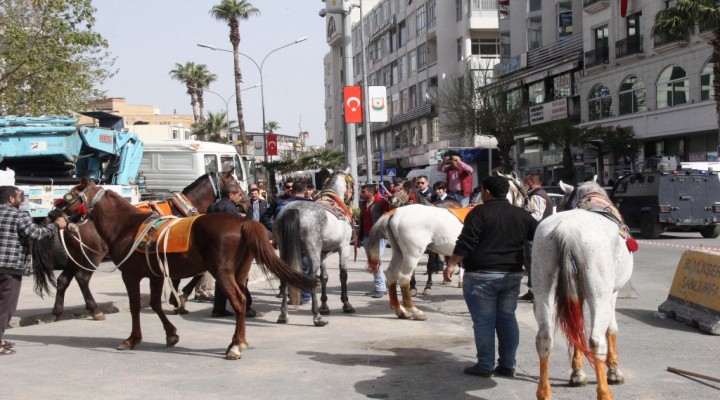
43,251
377,232
570,294
255,237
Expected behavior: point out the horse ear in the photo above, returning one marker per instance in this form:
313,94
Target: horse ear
595,178
565,187
347,170
513,174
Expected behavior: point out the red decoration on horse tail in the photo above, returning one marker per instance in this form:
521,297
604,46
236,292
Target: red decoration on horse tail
572,323
632,244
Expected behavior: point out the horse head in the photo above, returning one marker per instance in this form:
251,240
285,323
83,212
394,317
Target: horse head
581,192
343,184
207,189
517,194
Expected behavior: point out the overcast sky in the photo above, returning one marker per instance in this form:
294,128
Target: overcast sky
149,36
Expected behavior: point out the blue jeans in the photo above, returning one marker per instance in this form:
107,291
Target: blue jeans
379,280
491,298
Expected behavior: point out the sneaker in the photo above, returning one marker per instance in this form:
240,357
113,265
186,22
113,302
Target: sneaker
477,371
529,296
507,372
205,298
378,295
252,313
222,313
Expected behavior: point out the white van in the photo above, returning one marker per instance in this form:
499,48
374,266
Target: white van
171,165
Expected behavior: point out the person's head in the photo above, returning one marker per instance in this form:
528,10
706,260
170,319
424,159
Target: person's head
367,191
533,180
252,186
11,196
392,186
421,182
232,192
254,194
494,187
288,188
309,190
439,188
299,188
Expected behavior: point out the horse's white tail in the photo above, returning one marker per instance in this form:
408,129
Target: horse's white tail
377,232
570,292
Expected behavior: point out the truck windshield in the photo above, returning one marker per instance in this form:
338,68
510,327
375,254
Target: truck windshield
229,162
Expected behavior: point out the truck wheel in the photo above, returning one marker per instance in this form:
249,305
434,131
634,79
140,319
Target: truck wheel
649,227
710,232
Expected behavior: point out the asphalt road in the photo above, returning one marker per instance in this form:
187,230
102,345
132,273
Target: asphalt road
370,354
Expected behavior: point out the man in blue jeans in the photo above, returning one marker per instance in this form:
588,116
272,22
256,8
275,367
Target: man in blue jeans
491,247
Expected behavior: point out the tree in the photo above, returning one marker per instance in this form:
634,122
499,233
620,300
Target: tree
272,126
678,21
232,11
186,73
566,136
202,78
619,142
51,59
320,158
210,129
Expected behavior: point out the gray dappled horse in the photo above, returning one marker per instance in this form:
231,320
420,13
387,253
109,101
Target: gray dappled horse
310,229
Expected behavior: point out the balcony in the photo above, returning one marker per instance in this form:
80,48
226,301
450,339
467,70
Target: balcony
632,45
593,6
664,43
597,57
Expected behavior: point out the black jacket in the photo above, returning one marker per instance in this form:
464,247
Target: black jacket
247,208
494,236
224,205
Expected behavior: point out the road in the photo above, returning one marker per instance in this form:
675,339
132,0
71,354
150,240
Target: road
370,354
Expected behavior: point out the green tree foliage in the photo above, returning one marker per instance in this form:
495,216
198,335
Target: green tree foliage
616,142
51,60
210,129
272,126
565,135
196,78
320,158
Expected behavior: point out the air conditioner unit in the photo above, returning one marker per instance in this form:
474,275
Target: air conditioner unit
434,81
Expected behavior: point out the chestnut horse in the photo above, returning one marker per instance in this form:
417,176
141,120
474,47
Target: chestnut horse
83,245
221,244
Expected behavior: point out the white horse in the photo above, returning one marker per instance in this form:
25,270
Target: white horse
581,256
311,229
412,229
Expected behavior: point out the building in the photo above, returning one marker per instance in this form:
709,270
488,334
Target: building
412,48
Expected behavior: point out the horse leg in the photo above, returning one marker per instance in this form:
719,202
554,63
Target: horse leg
132,285
233,286
578,377
408,309
344,254
433,262
413,282
283,317
600,312
83,278
324,309
614,376
545,317
314,261
63,281
156,291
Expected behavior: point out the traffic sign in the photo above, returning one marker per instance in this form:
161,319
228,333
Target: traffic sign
390,172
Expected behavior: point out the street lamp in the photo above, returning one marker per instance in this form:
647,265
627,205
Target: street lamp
227,102
262,87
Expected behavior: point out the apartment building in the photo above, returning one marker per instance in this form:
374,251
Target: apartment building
413,47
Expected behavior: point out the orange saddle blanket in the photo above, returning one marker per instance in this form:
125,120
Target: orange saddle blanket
163,207
460,213
177,231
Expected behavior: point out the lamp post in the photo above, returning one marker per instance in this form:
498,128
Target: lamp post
262,88
227,102
366,100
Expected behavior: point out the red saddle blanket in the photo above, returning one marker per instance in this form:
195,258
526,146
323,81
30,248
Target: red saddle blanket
177,231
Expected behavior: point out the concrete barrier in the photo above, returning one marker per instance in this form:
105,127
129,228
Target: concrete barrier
695,292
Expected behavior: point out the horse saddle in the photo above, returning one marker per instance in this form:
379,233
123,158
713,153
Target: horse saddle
167,235
603,206
460,213
162,208
332,209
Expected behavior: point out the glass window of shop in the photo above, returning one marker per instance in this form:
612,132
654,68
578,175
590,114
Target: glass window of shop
564,19
562,86
672,87
600,102
536,93
632,95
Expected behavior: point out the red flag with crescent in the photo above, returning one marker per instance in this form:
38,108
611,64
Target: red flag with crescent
623,8
353,104
272,145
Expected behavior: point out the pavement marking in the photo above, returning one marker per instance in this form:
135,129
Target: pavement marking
681,246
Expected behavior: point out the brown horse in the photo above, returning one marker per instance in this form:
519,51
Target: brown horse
225,246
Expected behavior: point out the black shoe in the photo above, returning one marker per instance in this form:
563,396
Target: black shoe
529,296
477,371
252,313
223,313
507,372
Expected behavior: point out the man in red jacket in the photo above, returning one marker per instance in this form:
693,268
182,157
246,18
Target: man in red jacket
373,206
459,177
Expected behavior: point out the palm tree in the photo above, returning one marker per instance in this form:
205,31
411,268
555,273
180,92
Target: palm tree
678,21
232,11
565,135
186,74
272,126
321,158
202,78
211,128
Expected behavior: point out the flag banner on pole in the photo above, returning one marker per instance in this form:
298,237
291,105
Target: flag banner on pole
623,8
378,103
272,145
353,104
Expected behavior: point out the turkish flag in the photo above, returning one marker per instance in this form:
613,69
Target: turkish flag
272,145
623,8
353,104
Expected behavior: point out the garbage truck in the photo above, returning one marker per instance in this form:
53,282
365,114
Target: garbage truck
46,156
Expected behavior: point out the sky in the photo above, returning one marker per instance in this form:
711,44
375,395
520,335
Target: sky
149,36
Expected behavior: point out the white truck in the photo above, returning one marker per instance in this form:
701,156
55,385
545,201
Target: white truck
169,166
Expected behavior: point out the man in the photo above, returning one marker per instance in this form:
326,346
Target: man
540,208
491,247
231,196
422,185
16,231
373,207
310,191
256,207
270,213
459,177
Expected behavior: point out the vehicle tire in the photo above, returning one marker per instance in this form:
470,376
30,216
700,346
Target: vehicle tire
710,232
649,227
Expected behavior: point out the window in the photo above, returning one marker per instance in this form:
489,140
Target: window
413,136
431,14
600,102
403,68
632,96
187,135
387,76
434,129
504,45
395,104
403,101
706,81
459,49
211,163
672,87
564,19
423,92
412,61
458,10
562,86
395,74
420,21
534,5
422,55
175,134
402,34
536,93
412,97
534,29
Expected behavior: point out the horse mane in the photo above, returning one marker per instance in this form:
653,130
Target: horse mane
574,194
197,182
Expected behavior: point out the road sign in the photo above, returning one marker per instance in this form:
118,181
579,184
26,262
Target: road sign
390,172
579,159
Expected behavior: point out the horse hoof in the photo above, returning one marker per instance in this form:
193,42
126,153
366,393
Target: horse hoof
283,319
99,316
234,353
171,340
244,345
615,378
578,379
413,292
324,310
126,345
419,316
427,292
348,309
320,322
403,314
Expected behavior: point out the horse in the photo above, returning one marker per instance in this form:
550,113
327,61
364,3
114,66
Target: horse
311,229
223,245
581,256
434,228
83,250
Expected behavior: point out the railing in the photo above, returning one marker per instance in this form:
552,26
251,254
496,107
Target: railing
597,57
590,2
480,5
662,39
629,45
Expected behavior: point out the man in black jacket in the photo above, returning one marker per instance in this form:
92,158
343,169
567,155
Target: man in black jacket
491,247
